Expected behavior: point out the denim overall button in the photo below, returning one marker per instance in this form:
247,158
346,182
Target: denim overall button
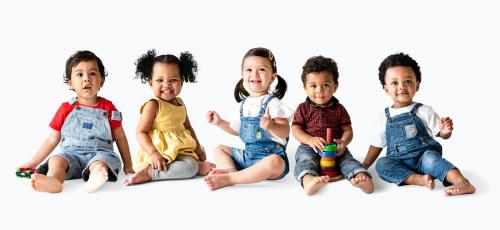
104,114
77,108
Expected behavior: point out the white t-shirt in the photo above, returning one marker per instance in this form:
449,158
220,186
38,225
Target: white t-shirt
428,116
251,108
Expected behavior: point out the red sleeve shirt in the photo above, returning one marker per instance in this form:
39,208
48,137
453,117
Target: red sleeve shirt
314,119
65,108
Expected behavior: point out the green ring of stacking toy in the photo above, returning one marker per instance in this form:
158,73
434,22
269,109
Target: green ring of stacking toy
330,148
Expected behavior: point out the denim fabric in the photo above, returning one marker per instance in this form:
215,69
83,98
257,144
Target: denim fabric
86,137
307,162
258,144
410,150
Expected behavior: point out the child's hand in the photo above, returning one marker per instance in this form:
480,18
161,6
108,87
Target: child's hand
341,145
127,169
213,118
158,162
266,121
446,126
316,143
28,165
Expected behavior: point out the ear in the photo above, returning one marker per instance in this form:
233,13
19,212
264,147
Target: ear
385,89
102,82
150,82
418,86
69,85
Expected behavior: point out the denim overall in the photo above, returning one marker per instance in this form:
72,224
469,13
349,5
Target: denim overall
258,144
410,149
86,137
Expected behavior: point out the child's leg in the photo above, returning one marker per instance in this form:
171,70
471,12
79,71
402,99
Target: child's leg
460,184
223,160
313,183
306,170
52,182
98,176
395,171
270,167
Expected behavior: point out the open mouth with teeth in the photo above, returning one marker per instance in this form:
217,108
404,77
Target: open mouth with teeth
256,81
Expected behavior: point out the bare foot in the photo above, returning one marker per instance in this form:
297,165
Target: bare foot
98,176
216,181
42,183
363,181
422,180
205,167
312,186
141,176
463,187
221,171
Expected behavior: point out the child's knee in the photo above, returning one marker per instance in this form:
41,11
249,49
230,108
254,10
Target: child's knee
58,161
275,162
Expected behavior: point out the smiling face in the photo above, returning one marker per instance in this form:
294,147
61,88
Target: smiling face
166,82
401,85
257,75
86,81
320,87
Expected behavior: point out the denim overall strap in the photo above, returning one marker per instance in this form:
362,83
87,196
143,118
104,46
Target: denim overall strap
415,108
241,107
388,115
264,105
86,127
250,130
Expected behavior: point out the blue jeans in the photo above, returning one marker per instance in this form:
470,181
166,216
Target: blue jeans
251,155
307,162
429,162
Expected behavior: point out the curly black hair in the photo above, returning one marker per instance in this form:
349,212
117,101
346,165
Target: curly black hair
240,92
188,67
318,64
83,56
399,59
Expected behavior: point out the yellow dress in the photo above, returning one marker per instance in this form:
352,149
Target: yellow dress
168,133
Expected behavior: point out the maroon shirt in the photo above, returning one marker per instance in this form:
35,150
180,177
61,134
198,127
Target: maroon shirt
315,119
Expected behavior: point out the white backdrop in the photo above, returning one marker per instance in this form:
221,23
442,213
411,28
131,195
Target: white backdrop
455,43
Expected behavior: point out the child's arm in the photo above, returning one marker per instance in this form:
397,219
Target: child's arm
123,148
371,156
142,133
317,143
346,138
213,118
48,145
278,126
445,128
199,150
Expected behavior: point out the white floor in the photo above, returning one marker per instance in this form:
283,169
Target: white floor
188,204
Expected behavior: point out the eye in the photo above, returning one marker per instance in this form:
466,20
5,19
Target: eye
93,74
159,80
393,83
313,86
247,70
79,74
326,85
262,69
407,82
174,80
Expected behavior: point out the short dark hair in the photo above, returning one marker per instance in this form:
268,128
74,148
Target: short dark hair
83,56
399,59
318,64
